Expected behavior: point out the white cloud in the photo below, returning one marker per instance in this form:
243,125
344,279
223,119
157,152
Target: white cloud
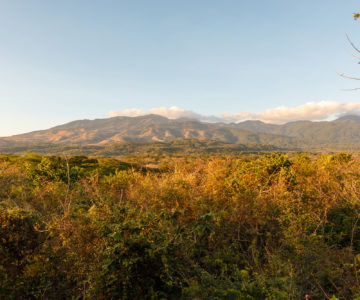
170,113
174,113
313,111
127,113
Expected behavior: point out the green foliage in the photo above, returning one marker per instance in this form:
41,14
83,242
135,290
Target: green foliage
19,241
177,146
198,227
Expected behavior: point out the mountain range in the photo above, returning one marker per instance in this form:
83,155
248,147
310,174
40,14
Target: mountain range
343,132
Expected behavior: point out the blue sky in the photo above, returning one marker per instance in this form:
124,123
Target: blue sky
66,60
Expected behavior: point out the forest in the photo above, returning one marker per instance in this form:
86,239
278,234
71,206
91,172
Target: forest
196,226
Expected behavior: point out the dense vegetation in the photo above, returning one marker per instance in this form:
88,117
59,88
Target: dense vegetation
178,146
191,227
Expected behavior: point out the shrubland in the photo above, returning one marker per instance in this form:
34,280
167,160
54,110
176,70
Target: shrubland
189,227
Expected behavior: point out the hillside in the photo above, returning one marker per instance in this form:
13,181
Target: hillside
150,128
342,133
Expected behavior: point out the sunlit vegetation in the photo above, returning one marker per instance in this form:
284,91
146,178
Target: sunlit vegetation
178,146
189,227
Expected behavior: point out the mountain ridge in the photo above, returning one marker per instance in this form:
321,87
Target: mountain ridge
155,128
151,128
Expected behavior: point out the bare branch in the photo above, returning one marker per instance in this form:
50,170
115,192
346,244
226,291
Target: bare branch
347,90
357,57
352,44
353,231
347,77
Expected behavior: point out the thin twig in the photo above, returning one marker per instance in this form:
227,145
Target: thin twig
347,77
338,290
353,231
319,286
355,89
352,44
67,202
356,272
357,57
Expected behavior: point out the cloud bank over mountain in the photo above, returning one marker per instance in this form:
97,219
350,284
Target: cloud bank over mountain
312,111
170,113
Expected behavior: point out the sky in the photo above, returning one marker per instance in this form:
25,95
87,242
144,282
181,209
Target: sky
276,61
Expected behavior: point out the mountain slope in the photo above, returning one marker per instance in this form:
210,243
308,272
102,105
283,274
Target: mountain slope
150,128
344,131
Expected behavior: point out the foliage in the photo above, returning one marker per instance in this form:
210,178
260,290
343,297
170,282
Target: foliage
177,146
275,226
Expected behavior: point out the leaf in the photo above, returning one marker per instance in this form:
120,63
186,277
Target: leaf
357,257
356,16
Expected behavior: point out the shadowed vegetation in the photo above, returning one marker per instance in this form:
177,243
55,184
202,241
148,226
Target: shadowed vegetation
189,227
